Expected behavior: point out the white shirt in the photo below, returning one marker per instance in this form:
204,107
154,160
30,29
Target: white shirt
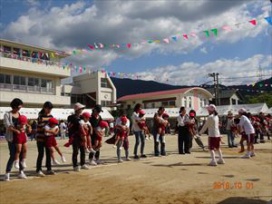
246,125
182,120
63,128
119,122
135,120
212,124
47,127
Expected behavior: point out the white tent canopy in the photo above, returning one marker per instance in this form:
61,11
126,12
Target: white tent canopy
59,113
222,110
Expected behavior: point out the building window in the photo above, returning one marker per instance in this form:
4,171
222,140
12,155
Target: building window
5,79
167,104
105,103
7,49
104,83
33,82
26,53
185,102
190,102
46,85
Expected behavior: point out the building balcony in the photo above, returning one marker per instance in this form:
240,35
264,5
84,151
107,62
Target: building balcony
15,63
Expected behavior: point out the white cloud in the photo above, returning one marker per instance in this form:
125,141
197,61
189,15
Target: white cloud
75,25
203,50
191,73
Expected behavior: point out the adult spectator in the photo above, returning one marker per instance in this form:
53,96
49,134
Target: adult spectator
158,139
229,129
95,120
43,118
183,133
139,136
10,122
74,134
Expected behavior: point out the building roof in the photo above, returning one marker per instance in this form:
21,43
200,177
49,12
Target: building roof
160,93
227,93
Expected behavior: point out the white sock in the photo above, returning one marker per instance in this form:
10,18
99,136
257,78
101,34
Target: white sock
220,154
157,137
163,139
213,155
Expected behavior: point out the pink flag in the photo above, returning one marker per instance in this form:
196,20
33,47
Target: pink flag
90,46
193,34
129,45
253,22
227,28
166,40
185,36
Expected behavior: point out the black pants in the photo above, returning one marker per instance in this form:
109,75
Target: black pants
41,146
77,146
97,153
184,142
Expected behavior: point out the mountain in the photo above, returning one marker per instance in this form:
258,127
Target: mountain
130,86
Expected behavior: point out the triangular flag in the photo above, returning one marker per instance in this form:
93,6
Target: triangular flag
91,47
129,45
175,38
166,40
253,22
215,31
185,36
52,55
227,28
101,45
269,19
207,33
193,34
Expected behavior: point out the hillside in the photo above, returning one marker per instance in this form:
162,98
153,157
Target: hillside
129,86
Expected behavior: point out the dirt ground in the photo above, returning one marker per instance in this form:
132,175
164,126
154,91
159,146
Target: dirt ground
171,179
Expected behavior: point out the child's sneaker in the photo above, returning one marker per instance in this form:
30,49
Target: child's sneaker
22,175
51,172
128,159
220,161
55,162
212,163
16,164
63,159
252,154
77,168
92,162
114,146
120,160
246,156
23,163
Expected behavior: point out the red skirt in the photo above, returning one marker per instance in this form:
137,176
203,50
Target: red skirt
51,141
214,143
20,138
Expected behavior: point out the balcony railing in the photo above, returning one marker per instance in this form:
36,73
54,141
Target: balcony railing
27,89
29,59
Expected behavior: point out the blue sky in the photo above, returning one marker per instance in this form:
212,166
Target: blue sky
70,25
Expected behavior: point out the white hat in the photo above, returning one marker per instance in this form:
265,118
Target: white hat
78,106
211,107
242,110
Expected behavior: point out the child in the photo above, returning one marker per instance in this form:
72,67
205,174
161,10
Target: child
212,124
51,130
191,125
142,125
121,132
100,130
86,132
20,141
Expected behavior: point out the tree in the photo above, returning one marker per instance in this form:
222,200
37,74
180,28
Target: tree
260,98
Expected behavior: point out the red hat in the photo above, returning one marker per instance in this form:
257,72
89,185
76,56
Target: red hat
142,112
22,120
124,119
192,114
103,124
165,115
53,121
86,115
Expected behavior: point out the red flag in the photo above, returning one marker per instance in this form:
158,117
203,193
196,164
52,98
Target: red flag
91,47
185,36
128,45
253,22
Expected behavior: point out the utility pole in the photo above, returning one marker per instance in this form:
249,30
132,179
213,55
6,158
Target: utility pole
215,86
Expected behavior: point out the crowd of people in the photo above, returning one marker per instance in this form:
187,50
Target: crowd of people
86,132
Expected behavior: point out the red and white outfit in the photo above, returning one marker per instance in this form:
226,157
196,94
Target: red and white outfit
50,139
21,138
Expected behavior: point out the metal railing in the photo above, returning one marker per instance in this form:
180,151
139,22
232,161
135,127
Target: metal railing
27,89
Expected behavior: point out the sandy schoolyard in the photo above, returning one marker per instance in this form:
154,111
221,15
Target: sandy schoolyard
171,179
